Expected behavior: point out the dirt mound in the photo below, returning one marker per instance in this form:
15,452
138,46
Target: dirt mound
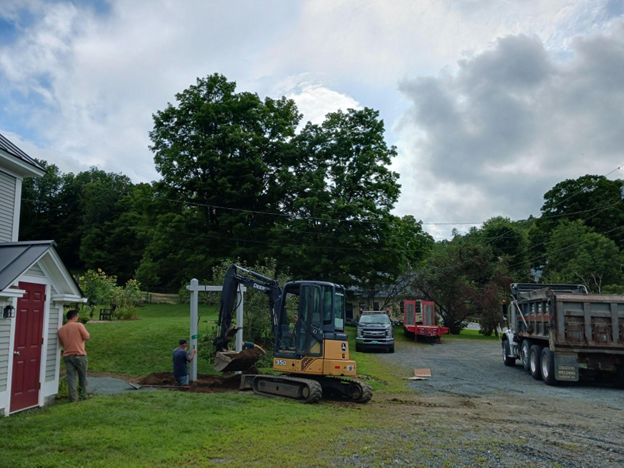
204,383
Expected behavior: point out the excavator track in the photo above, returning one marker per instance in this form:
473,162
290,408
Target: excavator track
351,389
304,390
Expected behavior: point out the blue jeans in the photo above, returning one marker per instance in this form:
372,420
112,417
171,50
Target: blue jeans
182,380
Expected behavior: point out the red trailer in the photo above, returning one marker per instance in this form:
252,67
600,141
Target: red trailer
419,320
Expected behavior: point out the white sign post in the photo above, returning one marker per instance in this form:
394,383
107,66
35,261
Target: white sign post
194,289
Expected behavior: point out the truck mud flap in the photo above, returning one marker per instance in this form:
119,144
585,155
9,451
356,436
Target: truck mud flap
566,367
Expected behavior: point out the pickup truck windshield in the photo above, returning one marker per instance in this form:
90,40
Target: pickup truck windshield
377,319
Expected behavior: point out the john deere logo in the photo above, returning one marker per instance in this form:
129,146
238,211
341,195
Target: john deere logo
305,363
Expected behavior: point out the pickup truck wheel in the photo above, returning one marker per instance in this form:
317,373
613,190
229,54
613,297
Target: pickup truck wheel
534,361
507,360
548,367
391,349
525,350
358,348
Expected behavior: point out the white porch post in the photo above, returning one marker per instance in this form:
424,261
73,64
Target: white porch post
193,288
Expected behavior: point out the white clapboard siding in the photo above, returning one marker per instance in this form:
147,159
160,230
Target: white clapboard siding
7,206
51,352
5,331
35,270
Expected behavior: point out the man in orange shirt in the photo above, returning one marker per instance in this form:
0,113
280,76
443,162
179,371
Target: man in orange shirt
72,336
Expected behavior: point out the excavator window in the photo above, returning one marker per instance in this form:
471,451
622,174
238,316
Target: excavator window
328,295
339,309
310,323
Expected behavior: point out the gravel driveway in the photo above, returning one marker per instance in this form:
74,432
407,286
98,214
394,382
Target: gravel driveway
475,368
475,412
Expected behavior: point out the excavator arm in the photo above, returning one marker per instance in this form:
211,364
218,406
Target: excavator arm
235,277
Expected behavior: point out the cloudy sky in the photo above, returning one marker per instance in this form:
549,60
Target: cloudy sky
490,103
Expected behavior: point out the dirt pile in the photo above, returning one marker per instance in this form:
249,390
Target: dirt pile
204,383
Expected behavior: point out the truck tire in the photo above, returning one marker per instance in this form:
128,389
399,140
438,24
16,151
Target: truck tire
507,360
391,349
535,360
525,350
618,378
548,367
358,348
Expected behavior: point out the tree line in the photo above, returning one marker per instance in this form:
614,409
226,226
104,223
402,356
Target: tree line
578,239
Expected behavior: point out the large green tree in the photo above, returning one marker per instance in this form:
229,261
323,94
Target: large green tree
595,200
221,155
339,196
575,253
241,183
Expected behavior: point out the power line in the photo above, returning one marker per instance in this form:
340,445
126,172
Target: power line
300,245
564,248
583,220
583,189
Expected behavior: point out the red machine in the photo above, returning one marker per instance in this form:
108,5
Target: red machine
419,320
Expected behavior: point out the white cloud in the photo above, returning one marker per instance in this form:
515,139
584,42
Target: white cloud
85,83
313,99
512,122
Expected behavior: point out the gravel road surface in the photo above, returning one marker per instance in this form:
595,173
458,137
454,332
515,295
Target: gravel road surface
475,412
475,368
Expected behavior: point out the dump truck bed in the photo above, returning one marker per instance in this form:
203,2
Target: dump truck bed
579,322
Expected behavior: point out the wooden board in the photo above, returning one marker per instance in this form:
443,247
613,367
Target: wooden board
422,372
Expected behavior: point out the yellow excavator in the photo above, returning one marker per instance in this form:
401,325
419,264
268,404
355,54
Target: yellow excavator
311,348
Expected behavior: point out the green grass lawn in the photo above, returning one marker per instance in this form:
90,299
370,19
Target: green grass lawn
166,429
140,347
469,335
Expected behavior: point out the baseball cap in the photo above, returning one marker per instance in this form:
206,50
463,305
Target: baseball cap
181,342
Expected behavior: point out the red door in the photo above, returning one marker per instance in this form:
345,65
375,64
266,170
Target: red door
27,350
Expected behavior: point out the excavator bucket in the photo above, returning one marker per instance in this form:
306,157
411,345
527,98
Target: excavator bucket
231,361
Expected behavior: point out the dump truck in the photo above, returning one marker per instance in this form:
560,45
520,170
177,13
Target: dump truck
561,333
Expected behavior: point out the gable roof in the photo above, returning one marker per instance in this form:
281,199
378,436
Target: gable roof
18,257
13,150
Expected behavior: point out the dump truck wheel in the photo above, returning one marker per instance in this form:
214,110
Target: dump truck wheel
507,360
535,360
548,367
618,378
525,351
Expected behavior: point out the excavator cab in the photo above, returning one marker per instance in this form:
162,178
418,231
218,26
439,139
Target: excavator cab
309,313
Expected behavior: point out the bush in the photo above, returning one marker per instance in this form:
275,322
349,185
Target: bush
97,288
127,300
101,289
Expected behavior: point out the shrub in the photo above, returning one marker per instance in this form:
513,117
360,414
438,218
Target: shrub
97,288
127,300
101,289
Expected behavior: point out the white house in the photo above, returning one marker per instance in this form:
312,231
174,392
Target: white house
34,286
